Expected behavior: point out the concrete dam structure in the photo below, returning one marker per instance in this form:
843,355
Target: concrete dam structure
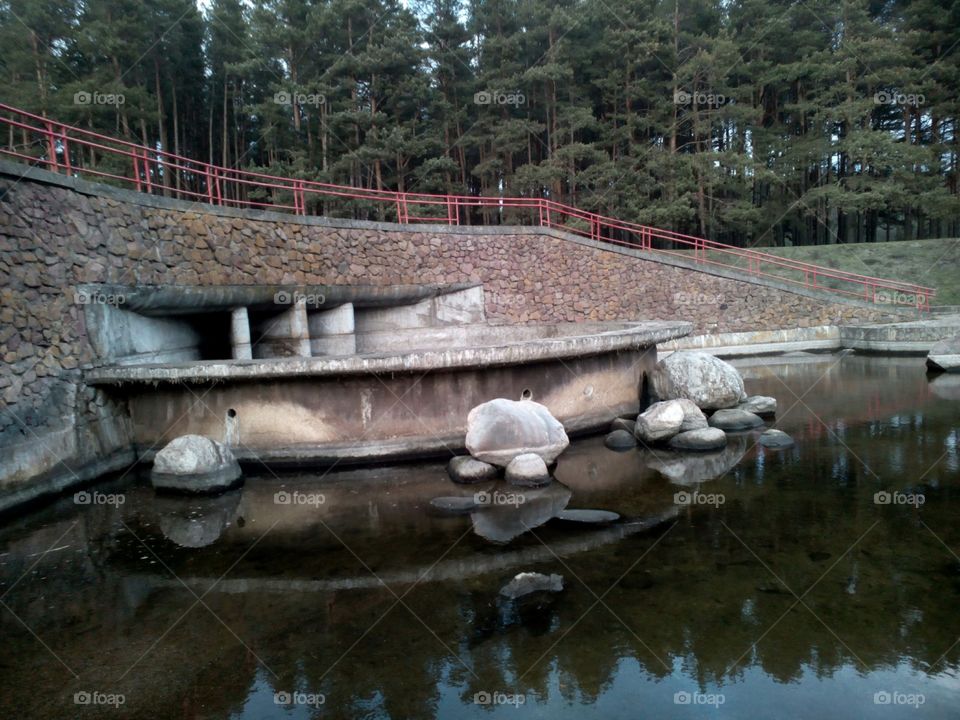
130,318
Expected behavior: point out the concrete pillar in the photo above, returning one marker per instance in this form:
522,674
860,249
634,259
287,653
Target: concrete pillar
332,331
286,334
240,334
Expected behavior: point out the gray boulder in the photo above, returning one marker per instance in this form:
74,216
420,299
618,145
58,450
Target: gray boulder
501,429
454,505
195,464
759,405
465,469
708,381
660,421
701,440
588,517
775,439
693,417
531,582
945,355
620,440
735,420
527,470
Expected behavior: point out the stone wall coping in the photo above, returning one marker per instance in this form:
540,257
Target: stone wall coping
620,336
20,172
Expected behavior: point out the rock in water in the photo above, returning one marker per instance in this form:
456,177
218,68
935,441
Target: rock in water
454,505
588,517
708,381
692,468
527,470
501,429
759,405
735,420
693,417
660,421
774,438
701,440
945,355
620,440
531,582
195,464
504,513
465,469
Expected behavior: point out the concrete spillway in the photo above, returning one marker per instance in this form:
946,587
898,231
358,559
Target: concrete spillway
370,380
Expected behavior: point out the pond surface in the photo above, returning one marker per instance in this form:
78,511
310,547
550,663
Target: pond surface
786,591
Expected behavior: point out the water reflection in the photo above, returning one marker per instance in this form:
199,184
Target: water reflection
304,597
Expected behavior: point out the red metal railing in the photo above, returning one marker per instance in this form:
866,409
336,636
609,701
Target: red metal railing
77,152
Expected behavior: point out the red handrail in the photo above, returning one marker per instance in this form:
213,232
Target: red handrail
74,151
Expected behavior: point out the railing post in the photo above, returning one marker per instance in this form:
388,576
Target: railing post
66,152
146,171
52,149
136,171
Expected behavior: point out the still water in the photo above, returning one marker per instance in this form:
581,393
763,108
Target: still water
790,590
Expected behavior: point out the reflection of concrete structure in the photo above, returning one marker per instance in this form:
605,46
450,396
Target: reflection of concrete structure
385,402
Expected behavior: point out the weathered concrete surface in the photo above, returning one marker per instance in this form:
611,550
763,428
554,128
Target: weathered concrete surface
915,338
316,409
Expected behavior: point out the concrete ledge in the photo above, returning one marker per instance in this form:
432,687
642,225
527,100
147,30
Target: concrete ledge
913,338
606,337
823,338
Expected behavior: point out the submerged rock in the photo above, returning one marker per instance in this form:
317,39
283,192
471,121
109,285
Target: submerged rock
465,469
774,438
531,582
708,381
501,429
588,517
945,355
527,470
660,421
761,405
620,440
709,438
735,420
195,464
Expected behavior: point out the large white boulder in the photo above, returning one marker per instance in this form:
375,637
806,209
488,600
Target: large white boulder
708,381
194,464
501,429
660,421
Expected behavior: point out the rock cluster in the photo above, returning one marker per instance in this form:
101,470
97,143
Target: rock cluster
519,437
